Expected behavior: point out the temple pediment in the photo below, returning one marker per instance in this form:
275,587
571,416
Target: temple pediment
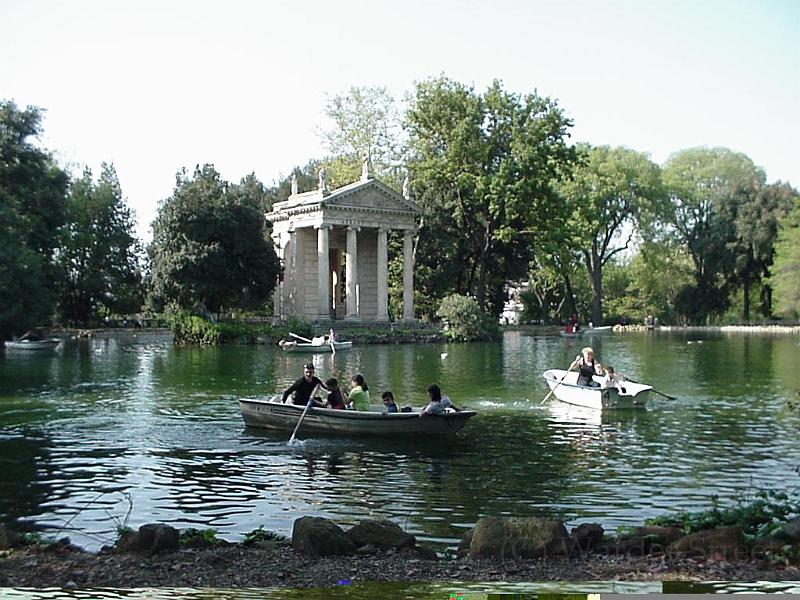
367,201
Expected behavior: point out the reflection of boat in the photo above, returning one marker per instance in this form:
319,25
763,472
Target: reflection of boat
272,414
291,346
45,345
564,387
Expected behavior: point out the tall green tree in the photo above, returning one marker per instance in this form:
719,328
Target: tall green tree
33,191
608,194
483,169
756,225
785,271
211,248
99,256
707,186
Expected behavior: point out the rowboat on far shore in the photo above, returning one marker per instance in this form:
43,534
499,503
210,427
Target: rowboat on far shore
273,414
27,345
564,386
292,346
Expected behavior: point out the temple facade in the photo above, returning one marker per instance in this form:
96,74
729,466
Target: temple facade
334,250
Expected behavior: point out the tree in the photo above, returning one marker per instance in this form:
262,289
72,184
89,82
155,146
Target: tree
706,188
482,170
33,193
211,248
365,124
99,256
608,193
785,271
756,232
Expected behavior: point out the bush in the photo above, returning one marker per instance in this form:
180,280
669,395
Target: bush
463,319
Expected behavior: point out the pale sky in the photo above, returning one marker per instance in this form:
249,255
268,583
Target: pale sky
154,86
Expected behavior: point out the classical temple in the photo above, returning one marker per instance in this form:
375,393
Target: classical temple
334,249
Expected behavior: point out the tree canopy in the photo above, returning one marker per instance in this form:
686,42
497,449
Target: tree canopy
211,248
99,257
33,191
483,169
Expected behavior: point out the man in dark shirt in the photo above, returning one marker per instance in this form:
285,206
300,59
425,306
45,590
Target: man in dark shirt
304,387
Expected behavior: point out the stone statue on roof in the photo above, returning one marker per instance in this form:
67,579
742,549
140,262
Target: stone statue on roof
323,180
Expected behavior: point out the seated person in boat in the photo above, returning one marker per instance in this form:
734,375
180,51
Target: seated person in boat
304,387
389,404
335,399
437,403
614,380
359,393
587,367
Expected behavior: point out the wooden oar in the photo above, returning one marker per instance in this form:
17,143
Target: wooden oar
667,396
546,398
299,337
300,420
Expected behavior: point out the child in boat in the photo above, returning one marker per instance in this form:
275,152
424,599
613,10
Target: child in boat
359,394
437,403
335,399
614,380
388,402
390,406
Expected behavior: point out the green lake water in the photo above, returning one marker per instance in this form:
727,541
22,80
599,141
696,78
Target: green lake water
130,429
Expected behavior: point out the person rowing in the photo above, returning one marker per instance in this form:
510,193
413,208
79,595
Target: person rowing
588,367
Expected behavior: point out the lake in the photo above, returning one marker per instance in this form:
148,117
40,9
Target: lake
130,429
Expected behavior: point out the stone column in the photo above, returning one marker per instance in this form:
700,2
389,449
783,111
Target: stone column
323,274
351,273
408,276
383,275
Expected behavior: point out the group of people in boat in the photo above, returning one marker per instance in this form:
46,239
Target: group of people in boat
588,366
306,389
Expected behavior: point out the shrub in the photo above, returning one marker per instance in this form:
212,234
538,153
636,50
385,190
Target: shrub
463,319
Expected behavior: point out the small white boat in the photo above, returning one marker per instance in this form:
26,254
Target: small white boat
564,385
273,414
602,330
292,346
46,345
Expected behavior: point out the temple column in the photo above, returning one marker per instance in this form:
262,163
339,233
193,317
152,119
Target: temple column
351,273
408,276
323,274
383,275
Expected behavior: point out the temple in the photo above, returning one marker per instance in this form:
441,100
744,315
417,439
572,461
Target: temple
334,249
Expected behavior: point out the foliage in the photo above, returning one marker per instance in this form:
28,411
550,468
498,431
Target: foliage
758,516
99,255
463,318
191,329
33,191
482,170
211,247
365,124
256,536
707,188
609,192
785,272
209,535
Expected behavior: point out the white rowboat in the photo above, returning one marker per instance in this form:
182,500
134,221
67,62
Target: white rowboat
564,385
291,346
46,345
273,414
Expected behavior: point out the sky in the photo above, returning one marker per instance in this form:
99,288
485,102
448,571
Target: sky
155,86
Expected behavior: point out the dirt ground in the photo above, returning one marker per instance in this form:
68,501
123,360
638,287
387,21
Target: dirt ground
279,565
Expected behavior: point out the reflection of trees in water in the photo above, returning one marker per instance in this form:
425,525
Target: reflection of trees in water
23,490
